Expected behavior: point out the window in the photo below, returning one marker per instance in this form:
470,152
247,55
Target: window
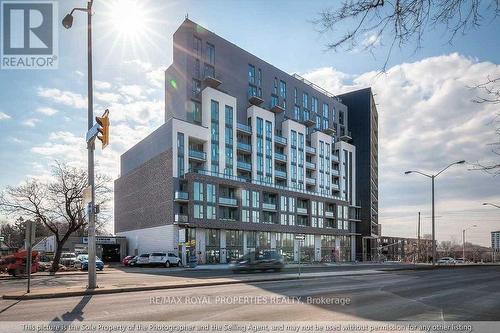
274,100
296,113
318,122
251,74
197,46
314,105
291,205
209,71
260,126
283,219
295,96
211,212
259,79
195,114
198,211
282,88
196,86
275,88
326,112
196,69
245,215
255,216
198,191
210,54
283,203
314,208
180,166
305,98
291,219
252,90
245,198
255,199
211,195
180,143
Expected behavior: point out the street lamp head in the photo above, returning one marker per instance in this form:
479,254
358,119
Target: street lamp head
460,162
67,21
407,172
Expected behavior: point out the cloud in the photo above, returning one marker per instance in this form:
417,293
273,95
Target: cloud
132,91
63,97
4,116
46,111
31,122
102,85
427,120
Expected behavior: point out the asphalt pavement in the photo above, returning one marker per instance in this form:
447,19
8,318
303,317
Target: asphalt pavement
443,294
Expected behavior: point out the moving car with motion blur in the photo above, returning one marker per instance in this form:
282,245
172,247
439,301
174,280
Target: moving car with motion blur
263,261
446,261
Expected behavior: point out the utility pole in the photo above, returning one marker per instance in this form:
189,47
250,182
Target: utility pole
418,238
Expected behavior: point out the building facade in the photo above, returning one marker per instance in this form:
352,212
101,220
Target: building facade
495,240
364,132
248,157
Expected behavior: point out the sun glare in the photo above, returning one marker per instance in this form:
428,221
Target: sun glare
128,18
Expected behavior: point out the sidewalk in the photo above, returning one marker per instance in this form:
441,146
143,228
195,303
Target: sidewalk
111,289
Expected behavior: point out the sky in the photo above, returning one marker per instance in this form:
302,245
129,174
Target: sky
426,114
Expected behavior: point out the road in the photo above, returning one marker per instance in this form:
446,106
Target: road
445,294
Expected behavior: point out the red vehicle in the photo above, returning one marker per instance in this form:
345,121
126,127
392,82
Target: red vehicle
15,264
126,260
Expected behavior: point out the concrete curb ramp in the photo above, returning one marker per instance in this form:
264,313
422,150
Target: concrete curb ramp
59,292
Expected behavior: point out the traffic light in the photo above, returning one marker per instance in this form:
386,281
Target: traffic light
103,129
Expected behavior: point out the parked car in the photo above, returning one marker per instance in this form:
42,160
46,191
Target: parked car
459,261
265,260
142,260
84,263
166,259
126,260
79,259
133,262
67,259
446,261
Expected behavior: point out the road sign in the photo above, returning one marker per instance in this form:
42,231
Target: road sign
87,195
300,237
2,238
92,133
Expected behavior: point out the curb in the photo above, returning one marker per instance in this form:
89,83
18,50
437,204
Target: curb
103,291
430,267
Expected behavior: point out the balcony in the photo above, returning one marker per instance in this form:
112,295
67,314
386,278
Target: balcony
335,172
310,150
244,128
244,147
276,109
308,121
280,157
310,181
180,218
335,187
280,140
301,211
335,158
255,100
181,196
329,214
197,155
212,81
280,174
330,130
229,141
244,166
228,201
310,165
268,206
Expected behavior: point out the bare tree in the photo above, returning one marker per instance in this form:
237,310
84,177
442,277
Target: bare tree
57,203
401,22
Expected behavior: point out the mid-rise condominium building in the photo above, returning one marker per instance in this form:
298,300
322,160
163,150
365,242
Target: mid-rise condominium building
495,240
248,157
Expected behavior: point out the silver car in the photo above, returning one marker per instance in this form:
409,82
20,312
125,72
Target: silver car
142,259
166,259
446,261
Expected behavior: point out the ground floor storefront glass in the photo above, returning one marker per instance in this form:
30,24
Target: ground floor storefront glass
307,249
284,245
212,246
328,251
345,248
234,244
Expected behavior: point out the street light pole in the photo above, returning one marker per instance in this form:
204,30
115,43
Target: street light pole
463,240
92,284
433,177
67,23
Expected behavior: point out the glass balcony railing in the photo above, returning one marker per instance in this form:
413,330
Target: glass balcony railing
310,150
264,183
311,165
244,165
228,201
244,128
244,146
180,195
280,140
200,155
229,141
268,206
335,172
180,218
335,158
335,186
301,210
311,181
280,174
329,214
280,157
